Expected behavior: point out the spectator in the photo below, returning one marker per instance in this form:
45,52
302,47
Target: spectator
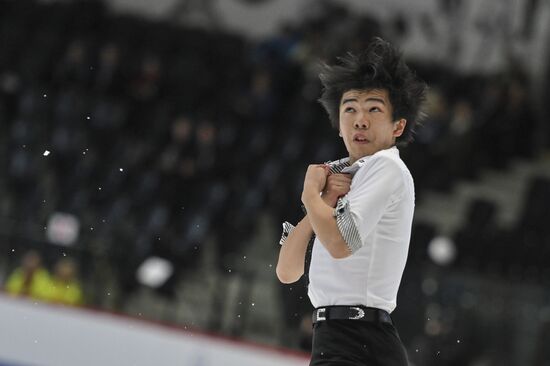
74,68
306,333
145,86
109,78
66,287
30,279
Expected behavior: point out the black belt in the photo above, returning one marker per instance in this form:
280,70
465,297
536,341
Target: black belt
358,312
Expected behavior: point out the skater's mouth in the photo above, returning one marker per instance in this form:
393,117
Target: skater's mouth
360,138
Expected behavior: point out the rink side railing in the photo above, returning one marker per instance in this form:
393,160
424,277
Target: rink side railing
38,334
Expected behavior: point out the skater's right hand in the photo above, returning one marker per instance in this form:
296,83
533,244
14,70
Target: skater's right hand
337,185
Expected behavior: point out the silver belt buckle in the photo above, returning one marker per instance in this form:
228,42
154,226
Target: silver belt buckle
360,313
321,314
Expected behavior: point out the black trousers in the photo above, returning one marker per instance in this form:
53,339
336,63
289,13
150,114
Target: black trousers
353,343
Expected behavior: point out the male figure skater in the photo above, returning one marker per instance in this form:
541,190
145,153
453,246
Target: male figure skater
360,210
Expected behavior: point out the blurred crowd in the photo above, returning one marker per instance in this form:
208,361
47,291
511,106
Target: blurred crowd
160,137
32,280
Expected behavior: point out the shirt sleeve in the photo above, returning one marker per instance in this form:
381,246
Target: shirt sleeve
287,228
374,187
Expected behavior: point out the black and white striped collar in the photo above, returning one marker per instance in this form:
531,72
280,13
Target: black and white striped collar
337,166
343,165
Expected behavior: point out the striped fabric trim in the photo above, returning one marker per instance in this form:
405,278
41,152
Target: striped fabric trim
337,166
287,228
347,226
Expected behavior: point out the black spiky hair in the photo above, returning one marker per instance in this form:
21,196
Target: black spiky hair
380,66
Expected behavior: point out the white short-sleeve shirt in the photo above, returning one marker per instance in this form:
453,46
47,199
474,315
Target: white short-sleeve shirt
379,209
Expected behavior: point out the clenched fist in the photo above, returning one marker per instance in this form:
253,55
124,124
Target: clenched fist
337,185
316,177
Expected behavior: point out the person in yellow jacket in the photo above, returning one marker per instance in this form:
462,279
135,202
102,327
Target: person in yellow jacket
66,287
30,279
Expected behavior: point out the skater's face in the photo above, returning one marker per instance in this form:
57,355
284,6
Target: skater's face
366,122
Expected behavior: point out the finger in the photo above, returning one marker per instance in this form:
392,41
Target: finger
342,176
340,180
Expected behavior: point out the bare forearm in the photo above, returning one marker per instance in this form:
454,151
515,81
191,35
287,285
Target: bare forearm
324,224
290,266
